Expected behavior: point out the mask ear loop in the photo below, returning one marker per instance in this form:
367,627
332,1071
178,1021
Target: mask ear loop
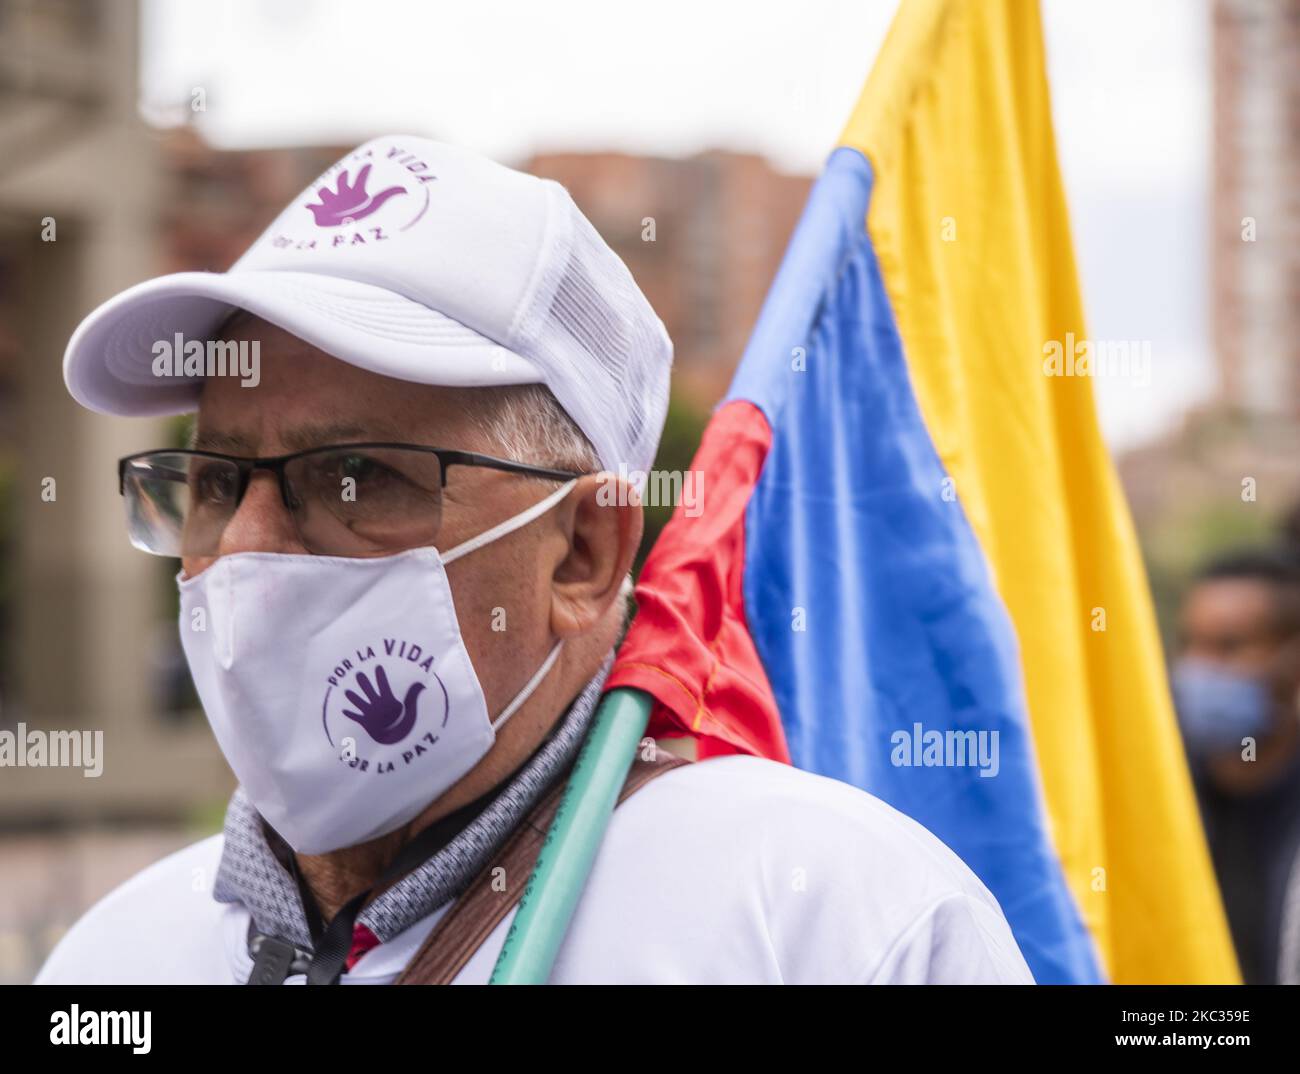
487,537
509,525
529,686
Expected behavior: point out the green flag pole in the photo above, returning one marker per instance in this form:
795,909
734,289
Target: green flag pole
571,843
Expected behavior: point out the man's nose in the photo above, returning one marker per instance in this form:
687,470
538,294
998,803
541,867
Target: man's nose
261,523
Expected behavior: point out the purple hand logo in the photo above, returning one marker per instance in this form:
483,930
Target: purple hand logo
384,718
348,203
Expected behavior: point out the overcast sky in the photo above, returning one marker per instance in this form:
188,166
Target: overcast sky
1130,84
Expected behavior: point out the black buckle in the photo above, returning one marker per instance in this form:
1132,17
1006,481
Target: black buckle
275,959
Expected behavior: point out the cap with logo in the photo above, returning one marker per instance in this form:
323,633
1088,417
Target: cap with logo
421,261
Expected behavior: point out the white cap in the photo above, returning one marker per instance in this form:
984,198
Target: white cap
421,261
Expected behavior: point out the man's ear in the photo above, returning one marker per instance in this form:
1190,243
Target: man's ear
603,521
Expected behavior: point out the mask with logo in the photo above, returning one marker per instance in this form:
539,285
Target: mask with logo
1217,708
340,689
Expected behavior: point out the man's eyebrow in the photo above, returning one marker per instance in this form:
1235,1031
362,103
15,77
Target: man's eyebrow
208,440
302,437
315,434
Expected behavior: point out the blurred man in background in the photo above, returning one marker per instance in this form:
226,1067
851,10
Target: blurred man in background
1235,686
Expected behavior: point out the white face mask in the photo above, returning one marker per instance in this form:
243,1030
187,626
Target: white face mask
339,689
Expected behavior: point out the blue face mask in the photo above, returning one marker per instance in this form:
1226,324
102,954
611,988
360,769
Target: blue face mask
1217,708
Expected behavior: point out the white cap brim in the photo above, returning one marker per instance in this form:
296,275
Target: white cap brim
109,363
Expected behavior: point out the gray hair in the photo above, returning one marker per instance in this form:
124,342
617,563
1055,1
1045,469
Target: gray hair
528,424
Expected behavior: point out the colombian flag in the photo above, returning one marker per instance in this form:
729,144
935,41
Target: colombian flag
912,542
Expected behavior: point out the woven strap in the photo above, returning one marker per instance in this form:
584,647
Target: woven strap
482,906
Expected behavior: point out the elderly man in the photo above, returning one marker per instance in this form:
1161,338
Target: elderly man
403,579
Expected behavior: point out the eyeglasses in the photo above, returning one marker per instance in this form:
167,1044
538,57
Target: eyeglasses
345,499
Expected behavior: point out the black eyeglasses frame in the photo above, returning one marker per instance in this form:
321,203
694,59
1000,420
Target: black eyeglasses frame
276,464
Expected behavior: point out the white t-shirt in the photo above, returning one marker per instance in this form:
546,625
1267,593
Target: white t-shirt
728,871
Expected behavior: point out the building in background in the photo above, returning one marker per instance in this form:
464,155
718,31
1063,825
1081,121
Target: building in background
81,184
81,611
1230,473
1256,233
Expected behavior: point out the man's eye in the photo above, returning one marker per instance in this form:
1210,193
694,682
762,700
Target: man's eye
364,472
358,467
215,484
